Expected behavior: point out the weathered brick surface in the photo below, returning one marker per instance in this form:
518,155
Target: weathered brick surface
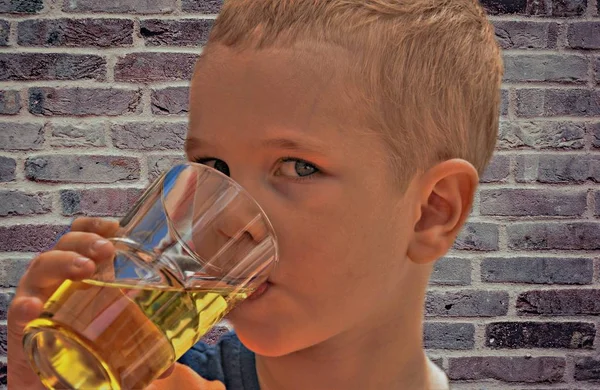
147,67
15,202
587,368
120,6
21,136
204,6
4,32
7,169
80,135
98,202
540,270
508,369
160,164
75,32
554,235
171,101
82,169
451,271
545,67
458,336
84,101
532,202
564,302
10,102
557,169
29,238
558,102
541,135
478,237
149,136
51,66
467,303
497,171
188,32
584,35
526,34
21,6
513,335
5,299
11,271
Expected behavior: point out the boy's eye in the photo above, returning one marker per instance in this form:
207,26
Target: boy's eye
293,167
215,163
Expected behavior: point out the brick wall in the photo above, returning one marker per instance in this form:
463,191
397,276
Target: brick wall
93,104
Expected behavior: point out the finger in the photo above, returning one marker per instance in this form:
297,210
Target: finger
50,269
168,372
89,245
22,310
100,226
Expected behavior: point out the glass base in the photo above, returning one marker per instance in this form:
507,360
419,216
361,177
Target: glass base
64,360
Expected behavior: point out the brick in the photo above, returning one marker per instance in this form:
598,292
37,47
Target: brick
539,270
560,68
146,67
21,6
504,102
83,135
567,302
84,101
51,66
597,203
186,32
204,6
4,32
75,32
7,169
558,102
82,169
533,202
567,8
587,368
5,300
3,341
594,130
101,202
29,238
3,374
451,271
10,102
551,235
526,34
512,335
457,336
21,136
557,169
597,68
584,35
466,303
149,136
11,271
160,164
496,7
508,369
22,203
497,170
121,6
541,135
478,236
170,101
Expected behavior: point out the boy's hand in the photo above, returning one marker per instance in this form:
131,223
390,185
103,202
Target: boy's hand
74,257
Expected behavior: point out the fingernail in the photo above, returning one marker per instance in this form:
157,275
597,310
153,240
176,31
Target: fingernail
97,246
81,262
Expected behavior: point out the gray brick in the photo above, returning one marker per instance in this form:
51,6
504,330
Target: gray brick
478,236
7,169
51,66
75,32
597,203
21,136
503,7
10,102
554,235
556,169
4,32
84,101
82,169
105,202
148,67
21,203
594,130
584,35
567,8
541,135
186,32
597,68
451,271
170,101
204,6
466,303
526,34
533,202
545,67
457,336
21,6
537,270
512,335
29,238
504,102
568,302
508,369
121,6
5,300
149,136
82,135
587,367
497,170
160,164
558,102
11,271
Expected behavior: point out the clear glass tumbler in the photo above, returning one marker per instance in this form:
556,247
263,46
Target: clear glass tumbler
193,246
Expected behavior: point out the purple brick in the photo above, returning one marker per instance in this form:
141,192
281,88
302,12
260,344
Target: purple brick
21,6
568,8
584,35
148,67
526,34
149,136
204,6
7,169
466,303
21,136
4,32
477,236
51,66
21,203
121,6
497,170
80,135
160,164
558,102
10,102
110,202
504,102
557,169
540,270
186,32
82,169
508,369
565,302
554,235
587,367
29,238
75,32
561,68
533,202
84,101
513,335
502,7
171,101
541,135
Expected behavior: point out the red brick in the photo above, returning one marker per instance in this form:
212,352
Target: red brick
147,67
84,101
508,369
29,238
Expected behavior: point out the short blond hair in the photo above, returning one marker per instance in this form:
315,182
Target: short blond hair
431,69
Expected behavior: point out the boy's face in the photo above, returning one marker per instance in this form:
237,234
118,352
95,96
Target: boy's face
290,131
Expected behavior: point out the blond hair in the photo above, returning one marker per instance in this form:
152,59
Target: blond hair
430,69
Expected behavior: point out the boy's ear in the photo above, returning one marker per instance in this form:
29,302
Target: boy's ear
445,195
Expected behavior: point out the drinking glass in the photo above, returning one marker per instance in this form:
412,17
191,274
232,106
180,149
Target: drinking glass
192,247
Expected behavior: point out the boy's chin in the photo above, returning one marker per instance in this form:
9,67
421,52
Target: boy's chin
269,342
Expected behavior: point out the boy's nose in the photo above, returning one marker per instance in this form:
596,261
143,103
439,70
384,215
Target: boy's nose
240,217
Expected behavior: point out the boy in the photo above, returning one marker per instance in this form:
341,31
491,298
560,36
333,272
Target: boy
361,127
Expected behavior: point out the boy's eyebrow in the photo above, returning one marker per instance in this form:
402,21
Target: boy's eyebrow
273,143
